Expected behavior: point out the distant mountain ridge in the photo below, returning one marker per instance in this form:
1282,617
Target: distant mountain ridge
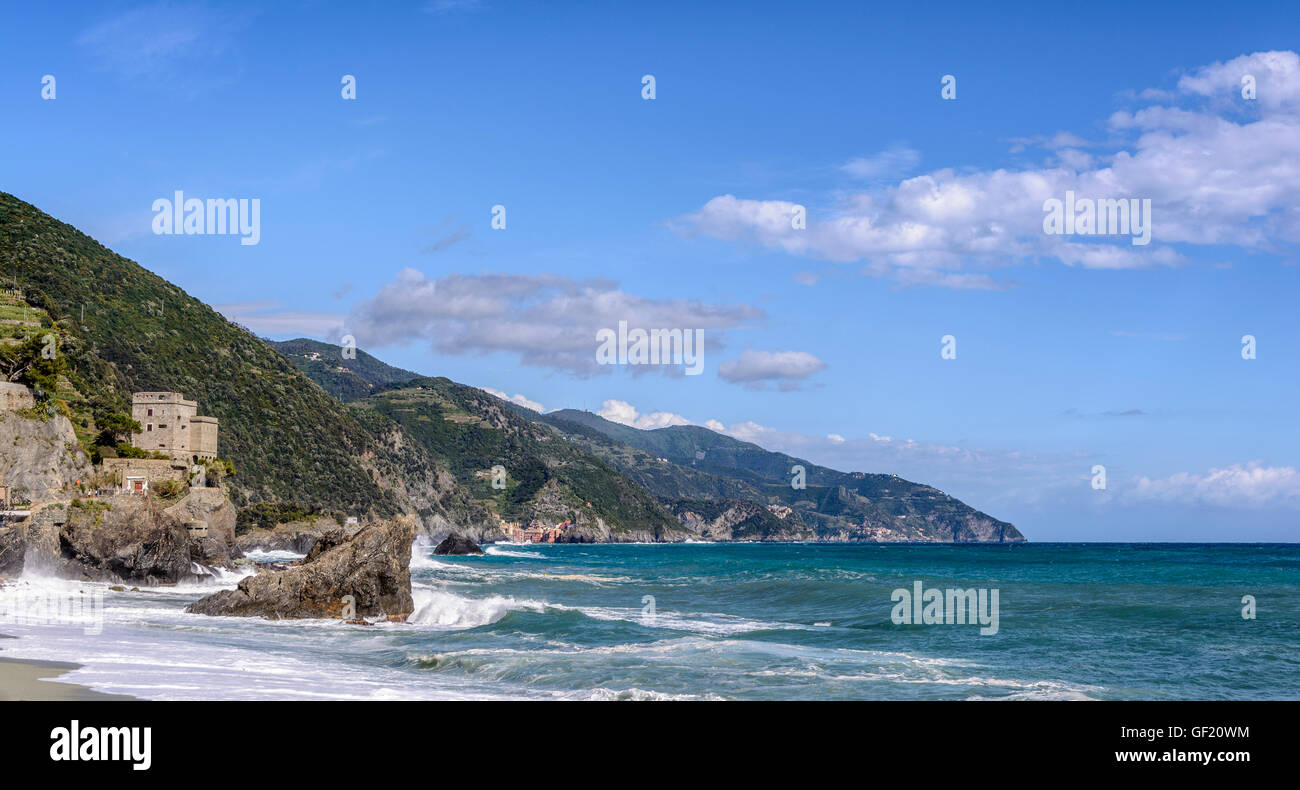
543,477
346,377
688,463
713,485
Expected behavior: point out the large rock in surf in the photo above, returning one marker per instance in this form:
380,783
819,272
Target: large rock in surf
372,566
456,543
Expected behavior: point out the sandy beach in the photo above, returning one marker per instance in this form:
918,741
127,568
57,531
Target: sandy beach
35,681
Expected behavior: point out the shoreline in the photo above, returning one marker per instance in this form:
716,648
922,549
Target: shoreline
28,680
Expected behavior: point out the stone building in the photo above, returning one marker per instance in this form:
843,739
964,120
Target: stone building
172,425
137,475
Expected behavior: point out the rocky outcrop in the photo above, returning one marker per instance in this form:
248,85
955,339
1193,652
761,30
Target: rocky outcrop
13,550
124,539
362,575
335,537
455,543
14,396
213,508
554,503
143,546
736,519
34,544
38,458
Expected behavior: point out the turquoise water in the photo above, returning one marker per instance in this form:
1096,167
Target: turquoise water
1151,621
731,621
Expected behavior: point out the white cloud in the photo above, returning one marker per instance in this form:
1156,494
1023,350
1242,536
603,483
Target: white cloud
784,368
517,399
893,162
1057,142
1277,79
1249,485
1217,172
266,318
624,413
750,431
548,321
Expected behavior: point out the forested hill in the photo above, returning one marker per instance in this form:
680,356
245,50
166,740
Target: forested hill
129,330
345,376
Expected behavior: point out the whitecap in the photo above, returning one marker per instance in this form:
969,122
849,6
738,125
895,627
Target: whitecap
443,609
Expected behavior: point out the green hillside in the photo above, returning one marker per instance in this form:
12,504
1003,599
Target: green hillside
345,377
471,432
128,330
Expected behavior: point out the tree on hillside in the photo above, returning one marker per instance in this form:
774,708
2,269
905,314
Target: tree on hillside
35,362
114,428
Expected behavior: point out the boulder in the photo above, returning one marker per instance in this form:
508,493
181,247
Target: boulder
456,543
372,566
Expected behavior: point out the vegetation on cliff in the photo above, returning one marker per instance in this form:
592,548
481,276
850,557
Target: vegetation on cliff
345,376
124,329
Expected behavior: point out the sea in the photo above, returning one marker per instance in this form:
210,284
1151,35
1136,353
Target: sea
719,621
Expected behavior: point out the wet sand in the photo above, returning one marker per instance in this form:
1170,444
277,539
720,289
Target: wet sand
21,679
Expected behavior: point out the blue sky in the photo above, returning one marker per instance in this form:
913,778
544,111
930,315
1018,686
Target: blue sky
923,220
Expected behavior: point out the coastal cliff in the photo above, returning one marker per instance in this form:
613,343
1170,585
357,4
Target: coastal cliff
40,457
128,539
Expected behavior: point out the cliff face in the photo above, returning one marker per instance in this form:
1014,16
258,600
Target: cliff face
140,546
126,539
40,457
735,519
